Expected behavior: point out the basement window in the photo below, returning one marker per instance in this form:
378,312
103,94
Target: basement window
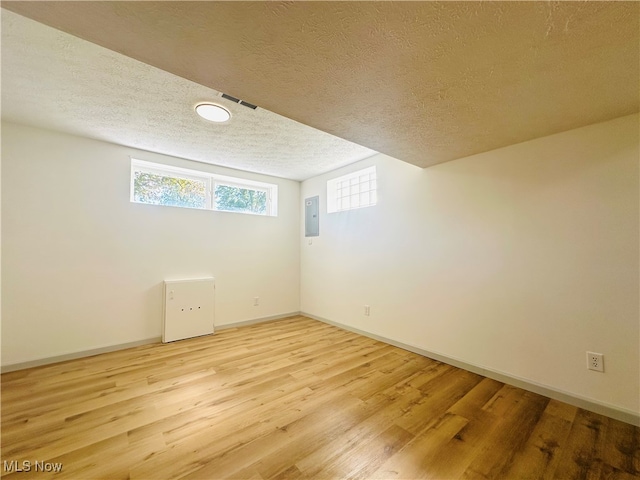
351,191
158,184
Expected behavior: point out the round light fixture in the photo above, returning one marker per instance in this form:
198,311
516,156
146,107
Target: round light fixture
213,113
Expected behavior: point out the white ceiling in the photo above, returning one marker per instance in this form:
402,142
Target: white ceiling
57,81
424,82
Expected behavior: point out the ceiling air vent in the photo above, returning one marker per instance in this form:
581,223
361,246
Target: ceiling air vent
237,100
229,97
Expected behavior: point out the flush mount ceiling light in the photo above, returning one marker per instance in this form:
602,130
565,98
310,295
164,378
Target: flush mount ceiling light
213,113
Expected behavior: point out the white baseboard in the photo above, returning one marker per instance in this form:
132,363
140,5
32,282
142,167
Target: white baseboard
75,355
622,414
256,320
112,348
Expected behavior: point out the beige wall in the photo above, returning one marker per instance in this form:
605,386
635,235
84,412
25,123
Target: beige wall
517,260
82,266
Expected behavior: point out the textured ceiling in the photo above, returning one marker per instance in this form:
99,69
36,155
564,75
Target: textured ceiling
424,82
54,80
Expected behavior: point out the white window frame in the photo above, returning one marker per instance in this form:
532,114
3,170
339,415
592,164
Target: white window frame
333,196
211,181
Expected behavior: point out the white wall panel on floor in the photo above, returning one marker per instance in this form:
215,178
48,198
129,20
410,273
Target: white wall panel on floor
189,307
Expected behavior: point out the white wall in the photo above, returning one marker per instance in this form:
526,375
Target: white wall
82,266
517,260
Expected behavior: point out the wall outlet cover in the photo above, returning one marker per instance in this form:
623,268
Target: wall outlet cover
595,361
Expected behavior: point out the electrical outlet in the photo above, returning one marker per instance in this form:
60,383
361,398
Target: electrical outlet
256,301
595,361
367,311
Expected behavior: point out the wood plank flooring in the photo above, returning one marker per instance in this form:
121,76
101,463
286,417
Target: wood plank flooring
295,398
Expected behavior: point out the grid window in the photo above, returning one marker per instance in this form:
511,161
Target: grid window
354,190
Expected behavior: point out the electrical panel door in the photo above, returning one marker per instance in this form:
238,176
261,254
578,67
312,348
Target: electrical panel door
311,217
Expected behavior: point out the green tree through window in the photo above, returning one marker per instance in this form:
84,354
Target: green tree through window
172,191
236,199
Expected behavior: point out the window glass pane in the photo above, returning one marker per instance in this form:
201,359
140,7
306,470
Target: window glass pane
351,191
166,190
236,199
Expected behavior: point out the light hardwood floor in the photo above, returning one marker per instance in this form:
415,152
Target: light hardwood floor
296,398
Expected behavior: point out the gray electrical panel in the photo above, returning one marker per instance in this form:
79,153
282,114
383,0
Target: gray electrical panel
311,217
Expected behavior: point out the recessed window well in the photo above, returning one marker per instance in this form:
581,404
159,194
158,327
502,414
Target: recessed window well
213,113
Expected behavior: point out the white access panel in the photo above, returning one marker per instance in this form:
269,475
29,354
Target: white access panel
188,308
